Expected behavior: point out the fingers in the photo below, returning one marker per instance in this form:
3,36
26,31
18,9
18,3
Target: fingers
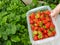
54,14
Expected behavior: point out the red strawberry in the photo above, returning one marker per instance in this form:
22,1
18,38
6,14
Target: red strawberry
41,29
36,20
54,32
35,38
45,21
48,25
47,12
48,19
36,28
31,21
32,27
42,13
32,16
39,12
45,36
45,31
42,17
39,19
52,25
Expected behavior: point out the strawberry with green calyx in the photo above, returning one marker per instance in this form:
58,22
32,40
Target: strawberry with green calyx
40,35
50,33
52,29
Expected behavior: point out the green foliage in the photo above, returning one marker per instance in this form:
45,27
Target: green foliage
15,39
8,42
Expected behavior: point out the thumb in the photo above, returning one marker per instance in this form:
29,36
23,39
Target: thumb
52,14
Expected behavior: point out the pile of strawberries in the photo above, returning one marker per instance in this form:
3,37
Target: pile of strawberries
41,25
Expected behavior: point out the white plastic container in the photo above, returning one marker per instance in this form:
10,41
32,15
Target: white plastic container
30,31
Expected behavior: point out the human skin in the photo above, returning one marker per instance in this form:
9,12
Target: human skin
55,11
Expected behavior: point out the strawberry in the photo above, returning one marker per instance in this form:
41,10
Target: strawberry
53,32
52,29
48,19
32,16
31,21
35,32
42,17
48,25
32,27
39,19
45,36
36,20
45,21
52,25
40,35
43,13
39,12
44,26
47,12
40,23
45,31
41,29
35,28
35,38
36,24
37,16
50,33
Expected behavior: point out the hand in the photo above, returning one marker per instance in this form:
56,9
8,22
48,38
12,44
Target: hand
55,12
